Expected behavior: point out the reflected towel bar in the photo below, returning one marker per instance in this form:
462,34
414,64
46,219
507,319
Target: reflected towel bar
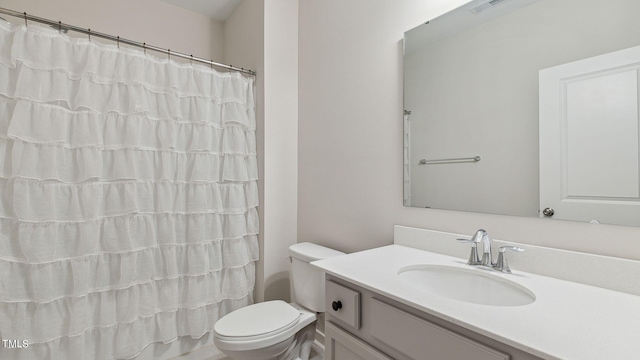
439,161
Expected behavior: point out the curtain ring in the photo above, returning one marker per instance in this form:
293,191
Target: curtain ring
191,60
144,48
59,27
118,42
211,63
89,33
169,54
25,19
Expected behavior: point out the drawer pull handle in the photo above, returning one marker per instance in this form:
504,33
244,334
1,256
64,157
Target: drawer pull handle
336,305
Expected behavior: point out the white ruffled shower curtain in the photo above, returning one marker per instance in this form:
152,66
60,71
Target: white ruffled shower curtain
128,197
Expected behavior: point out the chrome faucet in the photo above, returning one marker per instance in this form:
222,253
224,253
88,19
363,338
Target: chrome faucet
481,236
487,259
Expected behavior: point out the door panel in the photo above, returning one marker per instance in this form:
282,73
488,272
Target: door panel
589,139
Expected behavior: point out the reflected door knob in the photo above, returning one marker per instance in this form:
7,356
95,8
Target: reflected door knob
336,305
547,212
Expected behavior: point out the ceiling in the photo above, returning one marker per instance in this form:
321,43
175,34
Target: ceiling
216,9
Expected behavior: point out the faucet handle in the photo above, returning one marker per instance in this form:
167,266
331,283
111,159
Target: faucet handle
512,248
474,259
502,264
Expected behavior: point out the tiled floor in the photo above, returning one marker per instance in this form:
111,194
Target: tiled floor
317,353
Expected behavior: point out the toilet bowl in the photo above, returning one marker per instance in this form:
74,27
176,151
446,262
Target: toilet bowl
276,329
263,331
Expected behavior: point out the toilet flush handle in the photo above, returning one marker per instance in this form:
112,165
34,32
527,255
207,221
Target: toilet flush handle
336,305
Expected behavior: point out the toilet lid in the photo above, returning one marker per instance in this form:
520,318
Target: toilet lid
258,320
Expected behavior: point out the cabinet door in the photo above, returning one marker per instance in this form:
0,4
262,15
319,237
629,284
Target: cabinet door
420,339
340,345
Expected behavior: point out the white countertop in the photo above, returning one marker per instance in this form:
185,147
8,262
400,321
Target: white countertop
567,321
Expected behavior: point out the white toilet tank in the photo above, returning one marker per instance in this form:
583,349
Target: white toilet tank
307,282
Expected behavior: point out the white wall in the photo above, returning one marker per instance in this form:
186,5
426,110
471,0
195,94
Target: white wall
280,143
150,21
263,35
244,47
350,138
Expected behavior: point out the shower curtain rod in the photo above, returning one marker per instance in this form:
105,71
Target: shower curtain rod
62,26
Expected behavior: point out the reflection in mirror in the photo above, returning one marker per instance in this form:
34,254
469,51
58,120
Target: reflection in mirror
474,110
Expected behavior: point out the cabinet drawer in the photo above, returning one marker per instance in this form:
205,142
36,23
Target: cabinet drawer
343,304
420,339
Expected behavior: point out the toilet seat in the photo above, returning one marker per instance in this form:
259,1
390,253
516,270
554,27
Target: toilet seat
273,341
257,321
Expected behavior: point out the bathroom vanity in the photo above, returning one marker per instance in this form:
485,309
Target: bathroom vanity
373,313
389,330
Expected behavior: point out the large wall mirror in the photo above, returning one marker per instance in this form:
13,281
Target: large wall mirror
526,108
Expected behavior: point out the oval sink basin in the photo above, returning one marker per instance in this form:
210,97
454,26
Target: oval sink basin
468,285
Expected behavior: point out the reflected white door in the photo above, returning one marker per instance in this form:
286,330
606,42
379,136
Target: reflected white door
589,139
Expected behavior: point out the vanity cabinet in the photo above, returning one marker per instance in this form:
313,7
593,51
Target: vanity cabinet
361,324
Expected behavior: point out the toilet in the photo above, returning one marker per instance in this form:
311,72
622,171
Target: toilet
276,329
